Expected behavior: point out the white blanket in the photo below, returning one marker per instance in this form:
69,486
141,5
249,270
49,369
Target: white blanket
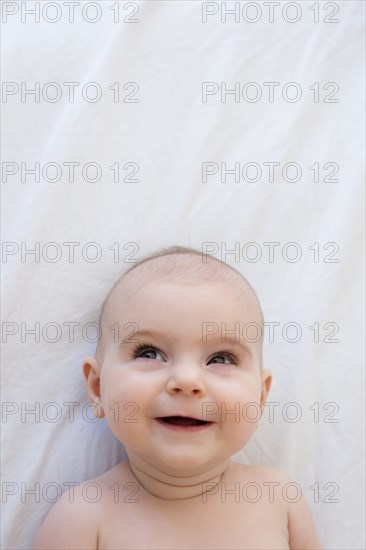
194,126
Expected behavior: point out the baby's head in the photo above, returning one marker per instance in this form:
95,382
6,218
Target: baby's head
183,267
181,337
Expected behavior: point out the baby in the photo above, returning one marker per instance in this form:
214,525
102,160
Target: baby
183,390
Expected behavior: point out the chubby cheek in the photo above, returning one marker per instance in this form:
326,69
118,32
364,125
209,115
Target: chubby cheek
122,403
237,430
239,414
117,388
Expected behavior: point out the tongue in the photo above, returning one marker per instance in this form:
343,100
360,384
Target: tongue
183,421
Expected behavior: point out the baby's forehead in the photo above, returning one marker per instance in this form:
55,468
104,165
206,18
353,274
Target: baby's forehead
181,269
189,271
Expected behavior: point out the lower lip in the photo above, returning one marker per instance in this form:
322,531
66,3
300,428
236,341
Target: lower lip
179,428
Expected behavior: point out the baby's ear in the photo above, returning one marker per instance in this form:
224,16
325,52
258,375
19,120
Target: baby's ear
91,372
266,377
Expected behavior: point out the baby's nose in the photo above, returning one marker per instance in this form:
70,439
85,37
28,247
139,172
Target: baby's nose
187,380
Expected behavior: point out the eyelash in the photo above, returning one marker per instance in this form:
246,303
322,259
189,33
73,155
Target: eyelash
144,346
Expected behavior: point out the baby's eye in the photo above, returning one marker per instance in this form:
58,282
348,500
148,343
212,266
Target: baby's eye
219,358
147,352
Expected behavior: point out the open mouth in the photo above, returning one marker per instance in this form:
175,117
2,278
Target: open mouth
183,421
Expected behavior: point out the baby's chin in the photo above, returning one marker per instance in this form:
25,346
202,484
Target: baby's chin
187,464
190,464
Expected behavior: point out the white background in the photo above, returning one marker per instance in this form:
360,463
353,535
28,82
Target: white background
169,133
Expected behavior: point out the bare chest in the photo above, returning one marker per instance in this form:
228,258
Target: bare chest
218,525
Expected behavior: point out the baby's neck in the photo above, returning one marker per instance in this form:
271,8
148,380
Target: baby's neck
169,487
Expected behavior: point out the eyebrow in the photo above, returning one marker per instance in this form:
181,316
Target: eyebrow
152,333
130,338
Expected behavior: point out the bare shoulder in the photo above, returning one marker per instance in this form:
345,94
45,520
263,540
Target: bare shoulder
301,528
68,525
302,532
288,493
74,520
259,474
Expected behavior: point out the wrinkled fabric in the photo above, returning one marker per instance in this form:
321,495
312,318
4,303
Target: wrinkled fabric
309,280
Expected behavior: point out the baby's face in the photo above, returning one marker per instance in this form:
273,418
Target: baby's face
177,356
